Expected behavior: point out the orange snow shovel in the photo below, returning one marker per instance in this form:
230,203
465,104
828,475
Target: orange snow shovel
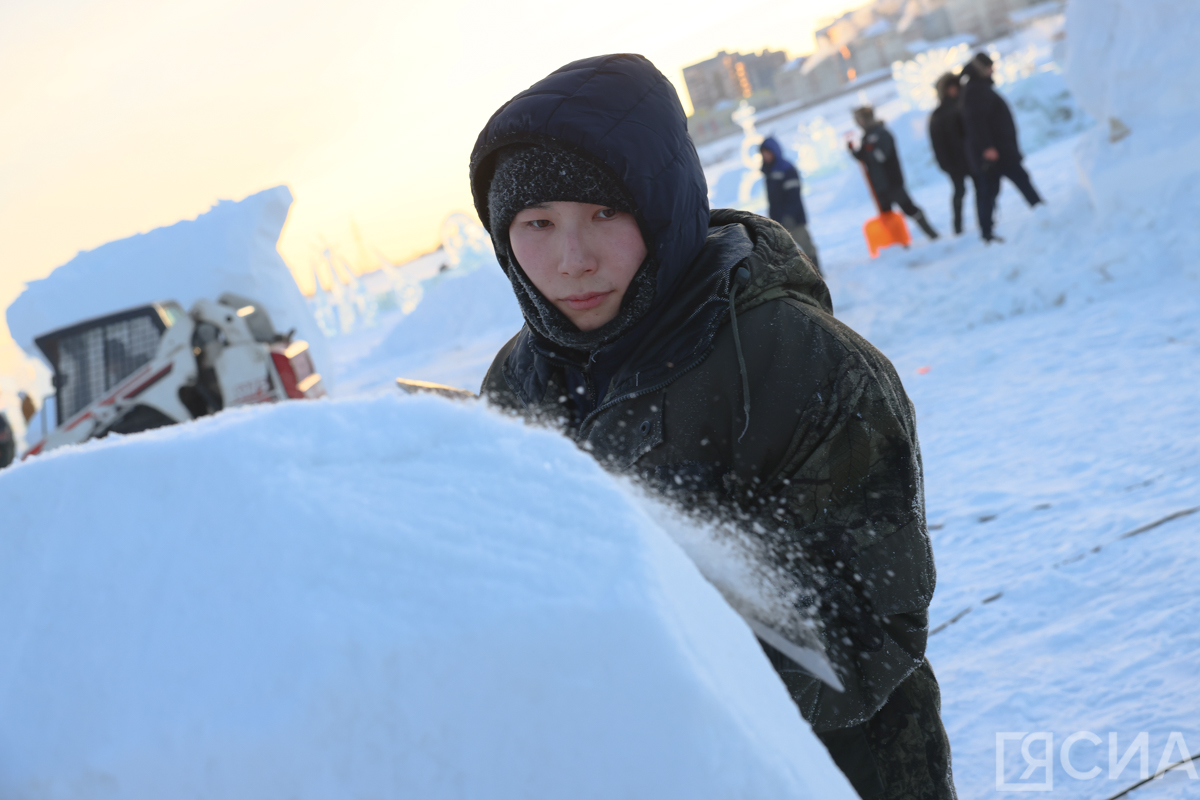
885,230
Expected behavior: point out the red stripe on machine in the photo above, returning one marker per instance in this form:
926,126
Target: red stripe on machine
153,379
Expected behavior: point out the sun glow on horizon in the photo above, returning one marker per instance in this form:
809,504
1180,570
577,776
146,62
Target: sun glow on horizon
122,117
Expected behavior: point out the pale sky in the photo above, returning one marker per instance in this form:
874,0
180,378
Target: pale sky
118,117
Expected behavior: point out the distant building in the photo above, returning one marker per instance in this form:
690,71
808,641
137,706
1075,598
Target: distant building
732,77
711,81
984,19
875,48
811,77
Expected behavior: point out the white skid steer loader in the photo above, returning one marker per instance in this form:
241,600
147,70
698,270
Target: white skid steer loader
157,365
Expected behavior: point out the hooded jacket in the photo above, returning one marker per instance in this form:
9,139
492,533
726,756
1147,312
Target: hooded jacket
824,469
783,187
987,121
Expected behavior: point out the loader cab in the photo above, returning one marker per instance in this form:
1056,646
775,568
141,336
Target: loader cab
90,358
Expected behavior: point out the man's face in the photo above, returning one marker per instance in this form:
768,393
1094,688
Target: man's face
952,91
581,257
768,157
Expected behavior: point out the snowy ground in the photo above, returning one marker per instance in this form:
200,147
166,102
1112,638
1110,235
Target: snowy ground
1056,413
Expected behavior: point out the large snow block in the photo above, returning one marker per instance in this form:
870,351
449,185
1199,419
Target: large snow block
230,248
1131,64
399,597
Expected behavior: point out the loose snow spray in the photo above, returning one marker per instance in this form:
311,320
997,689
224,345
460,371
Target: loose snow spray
773,602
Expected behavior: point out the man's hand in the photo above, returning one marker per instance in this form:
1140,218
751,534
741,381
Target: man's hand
991,154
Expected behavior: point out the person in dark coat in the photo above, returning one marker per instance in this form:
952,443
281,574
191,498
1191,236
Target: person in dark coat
8,444
879,154
949,140
697,351
992,148
784,203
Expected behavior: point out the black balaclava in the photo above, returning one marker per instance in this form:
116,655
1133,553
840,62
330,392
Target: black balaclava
530,174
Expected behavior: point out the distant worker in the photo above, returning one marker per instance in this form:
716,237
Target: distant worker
785,205
878,153
949,140
992,148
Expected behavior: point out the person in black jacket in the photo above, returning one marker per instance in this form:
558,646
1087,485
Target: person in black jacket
696,350
784,203
949,140
992,148
878,153
8,446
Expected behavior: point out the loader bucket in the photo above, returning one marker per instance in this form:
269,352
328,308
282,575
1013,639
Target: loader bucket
884,231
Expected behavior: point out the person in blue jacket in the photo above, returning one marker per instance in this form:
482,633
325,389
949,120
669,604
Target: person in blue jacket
784,203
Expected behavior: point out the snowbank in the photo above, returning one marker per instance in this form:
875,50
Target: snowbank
457,310
465,316
230,248
399,597
1132,65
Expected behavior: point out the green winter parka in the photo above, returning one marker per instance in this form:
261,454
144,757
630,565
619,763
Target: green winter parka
827,471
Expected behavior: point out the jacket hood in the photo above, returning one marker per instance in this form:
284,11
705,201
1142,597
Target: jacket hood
973,75
622,114
771,144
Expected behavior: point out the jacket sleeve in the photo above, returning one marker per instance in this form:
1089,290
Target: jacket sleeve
791,180
937,139
792,195
774,196
848,510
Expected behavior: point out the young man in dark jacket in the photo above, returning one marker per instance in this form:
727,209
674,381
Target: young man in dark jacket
992,149
949,140
878,153
784,203
697,350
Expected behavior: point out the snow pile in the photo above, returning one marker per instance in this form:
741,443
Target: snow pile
456,311
1132,65
230,248
465,316
398,597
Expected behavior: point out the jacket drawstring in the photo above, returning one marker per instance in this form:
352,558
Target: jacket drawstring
740,279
